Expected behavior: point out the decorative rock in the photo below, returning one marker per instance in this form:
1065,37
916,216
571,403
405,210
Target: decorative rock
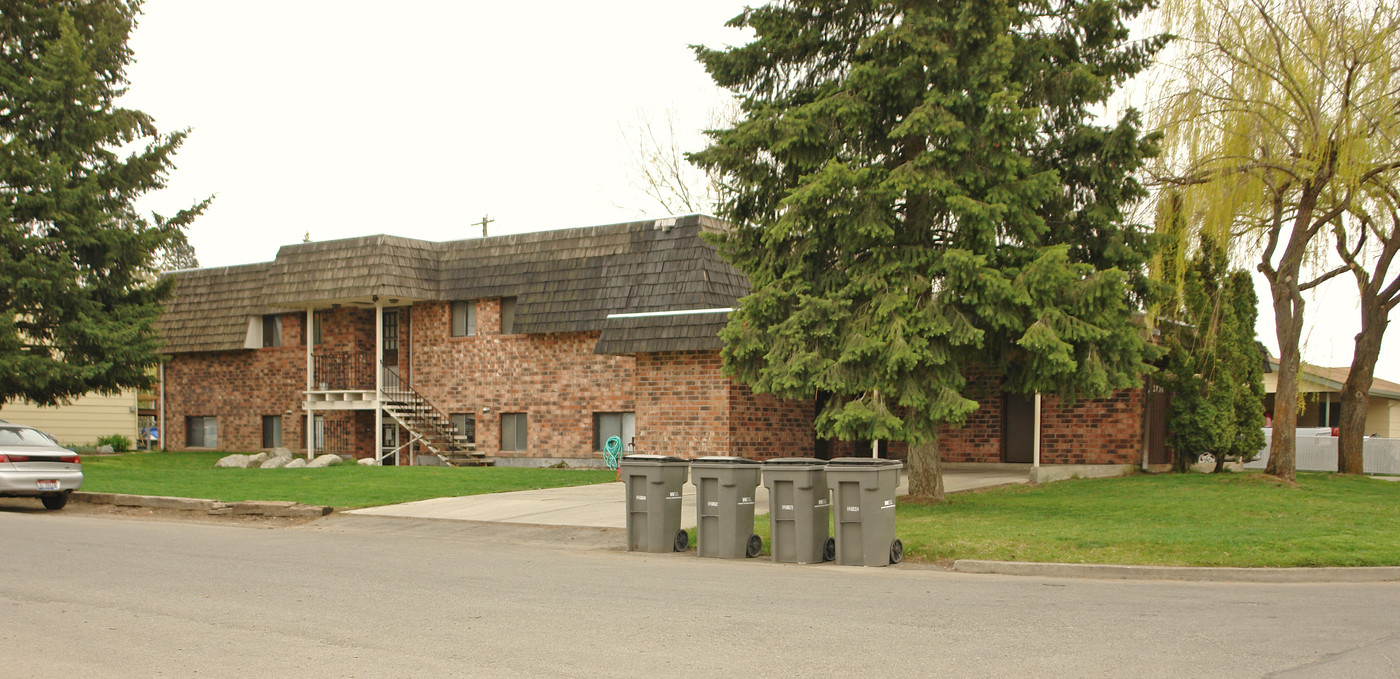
237,461
256,460
105,450
275,463
281,452
323,461
297,463
365,462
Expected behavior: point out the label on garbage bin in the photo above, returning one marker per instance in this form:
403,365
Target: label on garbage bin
643,498
745,500
853,509
788,507
711,504
823,502
889,504
673,495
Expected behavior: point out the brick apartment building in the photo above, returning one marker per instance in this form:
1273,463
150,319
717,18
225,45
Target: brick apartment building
524,349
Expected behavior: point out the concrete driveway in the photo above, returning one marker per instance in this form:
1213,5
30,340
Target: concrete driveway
603,505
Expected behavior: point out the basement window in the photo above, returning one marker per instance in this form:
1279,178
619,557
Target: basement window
513,431
272,431
201,432
621,425
466,425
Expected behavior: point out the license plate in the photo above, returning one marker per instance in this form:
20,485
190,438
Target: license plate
48,485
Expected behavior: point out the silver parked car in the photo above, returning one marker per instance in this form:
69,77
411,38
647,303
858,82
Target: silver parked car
32,464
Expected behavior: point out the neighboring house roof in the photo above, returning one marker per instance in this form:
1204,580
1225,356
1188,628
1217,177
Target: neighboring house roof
569,280
1333,379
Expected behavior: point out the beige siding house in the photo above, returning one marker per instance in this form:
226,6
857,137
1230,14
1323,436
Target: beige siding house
1321,389
81,421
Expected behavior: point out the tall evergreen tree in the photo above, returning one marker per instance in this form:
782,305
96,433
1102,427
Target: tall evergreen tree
1213,366
78,285
917,190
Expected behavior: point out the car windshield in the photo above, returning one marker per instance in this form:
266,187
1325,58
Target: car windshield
23,436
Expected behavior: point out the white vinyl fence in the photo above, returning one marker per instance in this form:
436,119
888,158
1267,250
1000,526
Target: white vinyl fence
1317,452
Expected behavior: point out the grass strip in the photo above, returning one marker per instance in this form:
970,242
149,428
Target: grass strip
344,486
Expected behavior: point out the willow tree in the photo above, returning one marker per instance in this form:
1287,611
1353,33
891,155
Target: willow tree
79,290
918,189
1279,116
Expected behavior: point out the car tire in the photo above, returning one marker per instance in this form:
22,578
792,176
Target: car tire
55,501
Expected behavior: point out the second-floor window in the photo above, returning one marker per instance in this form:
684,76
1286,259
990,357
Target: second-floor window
272,330
507,315
464,318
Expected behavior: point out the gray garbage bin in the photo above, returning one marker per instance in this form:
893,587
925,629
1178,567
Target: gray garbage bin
724,499
799,510
653,485
863,491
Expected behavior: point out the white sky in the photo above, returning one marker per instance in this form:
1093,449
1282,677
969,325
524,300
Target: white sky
418,117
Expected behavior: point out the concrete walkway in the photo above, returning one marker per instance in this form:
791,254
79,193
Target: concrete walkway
603,505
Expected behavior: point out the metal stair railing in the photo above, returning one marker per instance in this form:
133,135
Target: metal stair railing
424,422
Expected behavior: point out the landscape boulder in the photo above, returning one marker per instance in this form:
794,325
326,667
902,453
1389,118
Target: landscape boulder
282,453
235,460
105,449
365,462
257,459
324,461
297,463
276,462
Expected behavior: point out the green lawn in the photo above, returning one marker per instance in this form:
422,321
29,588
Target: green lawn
343,486
1243,519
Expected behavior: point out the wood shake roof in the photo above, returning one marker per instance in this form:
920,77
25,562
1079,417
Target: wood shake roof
211,307
563,281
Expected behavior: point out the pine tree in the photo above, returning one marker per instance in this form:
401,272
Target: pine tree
1213,367
78,285
918,190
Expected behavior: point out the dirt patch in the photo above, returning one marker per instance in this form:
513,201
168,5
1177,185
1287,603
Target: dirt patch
21,505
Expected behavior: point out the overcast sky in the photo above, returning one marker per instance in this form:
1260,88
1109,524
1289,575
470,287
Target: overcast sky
419,117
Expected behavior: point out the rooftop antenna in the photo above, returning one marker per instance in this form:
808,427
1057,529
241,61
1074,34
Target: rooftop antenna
485,219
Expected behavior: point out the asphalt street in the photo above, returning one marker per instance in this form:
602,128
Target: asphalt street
350,596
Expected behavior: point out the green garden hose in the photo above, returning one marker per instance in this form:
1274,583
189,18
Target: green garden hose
612,451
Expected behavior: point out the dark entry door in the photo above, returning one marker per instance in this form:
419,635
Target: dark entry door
1157,402
1018,429
390,341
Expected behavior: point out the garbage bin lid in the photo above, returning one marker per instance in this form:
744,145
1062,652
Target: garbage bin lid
723,459
794,461
651,458
864,462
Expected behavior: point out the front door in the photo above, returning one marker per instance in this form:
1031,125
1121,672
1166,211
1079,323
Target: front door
390,342
389,443
1018,429
1157,403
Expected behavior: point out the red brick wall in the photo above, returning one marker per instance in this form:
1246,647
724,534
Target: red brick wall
238,388
682,404
556,380
1095,431
686,407
1092,431
762,426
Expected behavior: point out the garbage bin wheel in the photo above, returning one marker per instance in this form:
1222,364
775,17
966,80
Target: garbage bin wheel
682,540
896,551
755,546
829,550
